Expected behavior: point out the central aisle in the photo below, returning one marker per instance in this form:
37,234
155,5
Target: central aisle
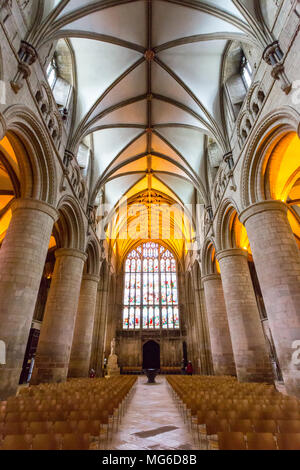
152,421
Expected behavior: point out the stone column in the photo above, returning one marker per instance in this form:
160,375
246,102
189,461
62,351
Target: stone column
248,341
221,346
202,365
209,362
83,333
277,261
98,342
111,323
22,259
54,348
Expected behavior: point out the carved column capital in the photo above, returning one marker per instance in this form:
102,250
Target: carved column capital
273,56
27,56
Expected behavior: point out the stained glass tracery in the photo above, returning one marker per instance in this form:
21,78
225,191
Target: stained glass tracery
150,289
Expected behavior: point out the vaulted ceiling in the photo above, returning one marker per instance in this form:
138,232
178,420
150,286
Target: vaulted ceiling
147,85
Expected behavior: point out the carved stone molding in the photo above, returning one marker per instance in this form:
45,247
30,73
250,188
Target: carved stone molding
149,55
2,127
255,101
27,56
50,114
273,55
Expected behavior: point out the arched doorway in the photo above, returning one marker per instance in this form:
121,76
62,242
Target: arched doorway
151,355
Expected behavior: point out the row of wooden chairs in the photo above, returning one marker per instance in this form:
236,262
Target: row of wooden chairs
221,406
59,411
256,441
69,441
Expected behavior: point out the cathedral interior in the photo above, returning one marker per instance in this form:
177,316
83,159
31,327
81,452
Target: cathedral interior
150,221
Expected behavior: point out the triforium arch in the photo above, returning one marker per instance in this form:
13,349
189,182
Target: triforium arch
227,218
34,154
208,258
275,126
92,265
70,228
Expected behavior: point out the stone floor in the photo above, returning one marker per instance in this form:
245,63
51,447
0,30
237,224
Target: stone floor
152,421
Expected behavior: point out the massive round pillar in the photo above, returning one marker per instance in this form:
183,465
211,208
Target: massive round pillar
22,259
277,261
54,348
221,346
83,333
247,337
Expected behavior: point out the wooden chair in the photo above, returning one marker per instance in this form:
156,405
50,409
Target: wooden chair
46,442
61,427
265,426
288,441
261,441
287,426
89,427
231,441
75,442
213,427
231,414
34,416
39,427
13,417
241,425
14,429
17,442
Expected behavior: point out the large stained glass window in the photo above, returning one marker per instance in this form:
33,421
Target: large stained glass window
150,291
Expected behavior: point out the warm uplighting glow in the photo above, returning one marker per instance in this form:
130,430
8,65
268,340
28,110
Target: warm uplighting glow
4,224
52,243
295,226
150,211
284,167
7,148
241,236
215,261
283,171
6,186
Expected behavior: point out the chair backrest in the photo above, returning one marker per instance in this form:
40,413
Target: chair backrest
62,427
231,441
261,441
213,426
288,441
261,425
39,427
16,442
14,428
46,442
37,416
75,442
288,426
241,425
89,427
12,417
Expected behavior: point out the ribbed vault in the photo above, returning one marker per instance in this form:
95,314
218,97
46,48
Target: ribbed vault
148,76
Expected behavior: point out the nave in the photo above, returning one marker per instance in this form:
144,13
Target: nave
152,421
126,413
